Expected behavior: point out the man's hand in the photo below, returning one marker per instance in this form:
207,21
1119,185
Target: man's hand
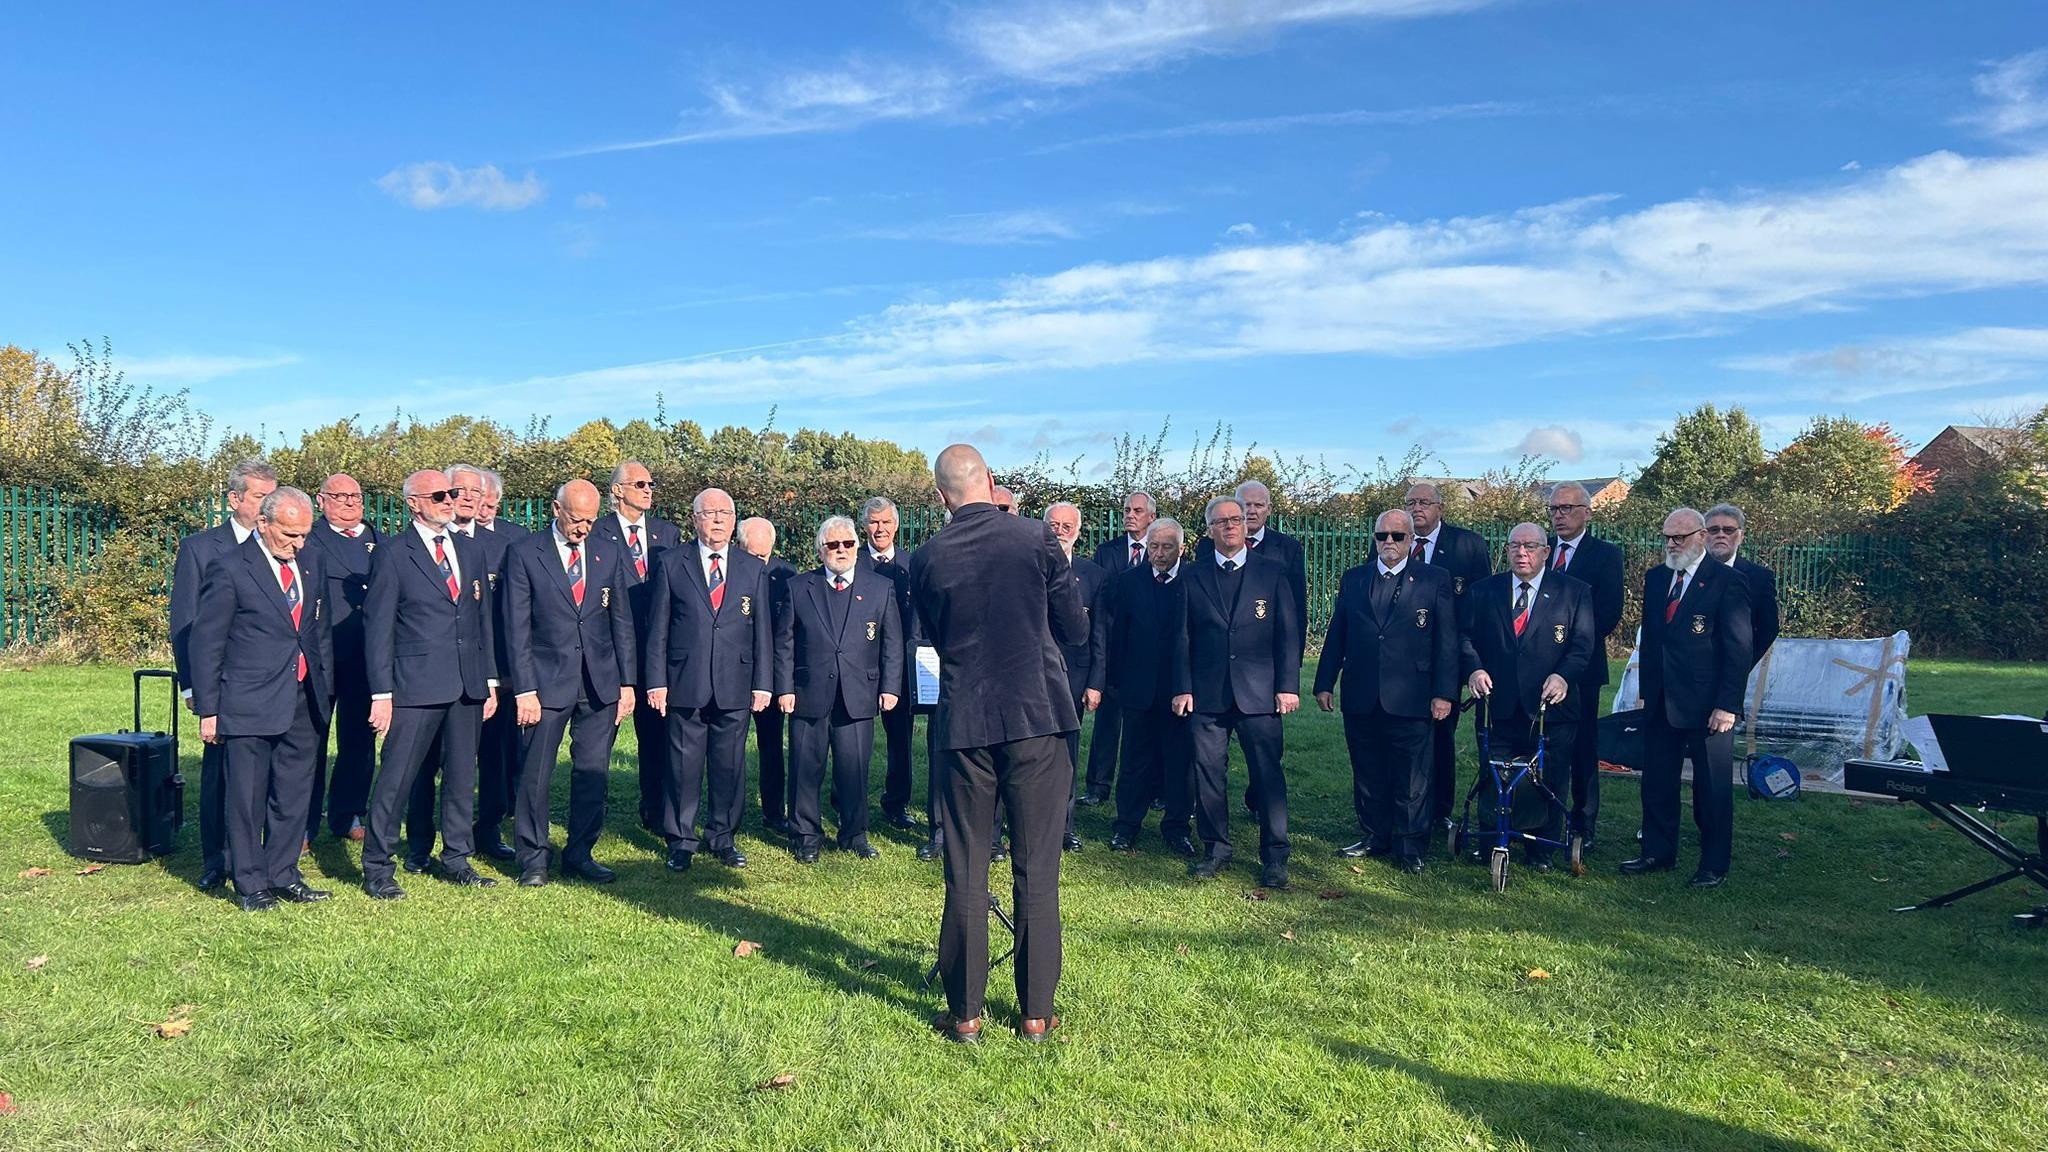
1554,688
209,729
1091,699
1323,702
380,715
186,696
760,701
526,709
1285,702
657,699
888,701
490,705
1183,704
787,703
1719,721
1439,708
626,704
1480,683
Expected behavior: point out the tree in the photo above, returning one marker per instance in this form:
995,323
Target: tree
1838,473
1706,458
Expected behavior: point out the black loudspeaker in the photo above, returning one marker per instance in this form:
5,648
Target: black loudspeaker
127,796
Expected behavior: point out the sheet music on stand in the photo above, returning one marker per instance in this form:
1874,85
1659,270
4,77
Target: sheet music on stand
927,675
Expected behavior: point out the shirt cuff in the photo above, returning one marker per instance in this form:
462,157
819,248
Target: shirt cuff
374,696
185,694
492,684
524,695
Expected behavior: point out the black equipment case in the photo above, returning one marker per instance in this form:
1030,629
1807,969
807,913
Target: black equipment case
127,796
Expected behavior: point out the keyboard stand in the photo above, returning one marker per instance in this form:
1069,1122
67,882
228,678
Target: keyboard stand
2032,866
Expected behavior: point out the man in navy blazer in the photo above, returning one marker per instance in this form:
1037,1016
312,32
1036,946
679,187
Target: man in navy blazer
838,663
1393,639
757,536
1577,553
880,521
1116,555
1273,544
1724,543
572,668
1243,674
341,543
1463,554
1141,638
642,536
995,599
248,483
1064,519
1695,662
1527,636
709,665
262,682
430,648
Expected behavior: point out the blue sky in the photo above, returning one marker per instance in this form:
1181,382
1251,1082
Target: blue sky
1341,226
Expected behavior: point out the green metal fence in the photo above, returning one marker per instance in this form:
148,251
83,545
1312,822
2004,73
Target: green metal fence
48,537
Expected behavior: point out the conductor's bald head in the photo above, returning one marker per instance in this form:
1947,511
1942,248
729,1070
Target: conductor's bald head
962,476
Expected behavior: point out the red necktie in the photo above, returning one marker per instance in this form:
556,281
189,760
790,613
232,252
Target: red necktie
717,582
575,576
1522,609
1562,550
1137,554
639,553
441,558
1677,594
291,597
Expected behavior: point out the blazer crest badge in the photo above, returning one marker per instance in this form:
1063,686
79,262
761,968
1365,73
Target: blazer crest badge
1258,609
1422,617
1457,585
476,589
874,629
1557,633
1699,625
604,598
746,605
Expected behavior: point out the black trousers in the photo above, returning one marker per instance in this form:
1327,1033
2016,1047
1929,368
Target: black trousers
1104,744
650,732
1713,790
851,744
408,758
1077,783
345,779
592,732
1158,764
1261,739
1513,736
1031,776
768,737
269,785
707,769
1584,752
1442,760
1391,781
213,807
497,769
899,728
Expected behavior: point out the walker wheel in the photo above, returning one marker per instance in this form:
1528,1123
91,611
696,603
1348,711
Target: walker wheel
1499,869
1578,843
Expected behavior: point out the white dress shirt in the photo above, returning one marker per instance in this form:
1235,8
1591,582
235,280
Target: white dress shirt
704,552
1236,561
1515,587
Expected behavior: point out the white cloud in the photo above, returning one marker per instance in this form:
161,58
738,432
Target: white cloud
438,184
1342,118
1029,226
1851,373
1554,441
1241,232
2016,94
195,369
592,201
1852,166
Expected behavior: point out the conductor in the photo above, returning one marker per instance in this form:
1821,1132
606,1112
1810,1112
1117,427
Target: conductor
997,602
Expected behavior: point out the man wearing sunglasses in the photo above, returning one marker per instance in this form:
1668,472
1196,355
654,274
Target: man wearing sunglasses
1724,543
1462,553
497,758
1577,553
431,654
342,543
1393,640
1695,661
641,537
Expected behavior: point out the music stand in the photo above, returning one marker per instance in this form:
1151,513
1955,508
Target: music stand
995,910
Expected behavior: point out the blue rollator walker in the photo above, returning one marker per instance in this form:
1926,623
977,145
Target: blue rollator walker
1516,803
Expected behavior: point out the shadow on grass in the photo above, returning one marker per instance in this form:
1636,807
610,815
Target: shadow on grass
1558,1115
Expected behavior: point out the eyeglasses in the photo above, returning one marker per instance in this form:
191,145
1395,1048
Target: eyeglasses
836,545
467,489
1569,507
1682,537
1226,520
642,484
1386,536
343,497
1525,546
1003,507
437,496
1722,530
1421,503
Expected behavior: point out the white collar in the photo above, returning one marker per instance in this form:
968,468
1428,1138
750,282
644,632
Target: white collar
625,523
1573,542
1255,538
1172,573
705,551
241,534
888,557
350,533
1386,571
1535,582
1237,560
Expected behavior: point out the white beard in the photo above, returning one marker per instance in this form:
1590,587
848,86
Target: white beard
1687,559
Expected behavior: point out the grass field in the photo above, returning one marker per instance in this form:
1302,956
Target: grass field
1362,1009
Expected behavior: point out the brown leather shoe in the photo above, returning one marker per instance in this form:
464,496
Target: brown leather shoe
1036,1031
959,1031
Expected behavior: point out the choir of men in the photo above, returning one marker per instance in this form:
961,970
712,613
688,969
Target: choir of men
297,636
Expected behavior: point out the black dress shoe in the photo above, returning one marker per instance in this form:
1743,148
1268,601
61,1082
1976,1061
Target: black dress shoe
805,855
929,851
469,878
385,889
497,850
731,857
212,878
1207,867
300,893
419,867
1412,865
1355,851
591,871
1119,842
1706,879
900,819
679,859
1181,846
1642,864
866,851
538,878
998,852
255,901
1273,876
1070,842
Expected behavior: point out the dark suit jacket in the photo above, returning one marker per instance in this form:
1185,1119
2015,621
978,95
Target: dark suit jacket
559,649
1597,564
994,597
196,552
346,565
419,645
1081,659
1241,651
823,661
1114,554
1700,661
897,573
710,659
245,650
659,536
1402,662
1557,641
1285,549
494,546
1462,553
1763,606
1141,633
512,530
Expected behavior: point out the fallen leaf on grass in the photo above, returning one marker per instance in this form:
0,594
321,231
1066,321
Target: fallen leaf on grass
33,873
1330,894
745,948
777,1081
180,1022
1255,894
89,869
6,1104
1287,936
1358,869
1788,837
866,964
1538,974
35,963
1882,879
1180,949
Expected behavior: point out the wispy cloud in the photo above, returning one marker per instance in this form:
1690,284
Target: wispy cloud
179,370
1263,125
1852,373
438,184
1028,226
2015,92
592,201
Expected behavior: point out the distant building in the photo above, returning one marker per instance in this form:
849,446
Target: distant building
1961,451
1602,492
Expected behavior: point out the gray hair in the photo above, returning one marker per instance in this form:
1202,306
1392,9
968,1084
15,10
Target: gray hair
697,501
619,473
1165,524
1542,537
472,469
1687,511
1571,486
1057,505
254,468
1151,505
279,497
832,522
1402,513
1728,510
1215,502
753,524
875,504
1248,485
493,483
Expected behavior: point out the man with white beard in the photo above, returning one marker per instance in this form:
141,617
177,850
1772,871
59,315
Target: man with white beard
1695,669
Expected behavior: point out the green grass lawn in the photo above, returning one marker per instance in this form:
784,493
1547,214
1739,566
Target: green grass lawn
1362,1009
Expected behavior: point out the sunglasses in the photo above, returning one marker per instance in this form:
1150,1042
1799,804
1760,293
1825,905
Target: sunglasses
437,496
1720,531
643,484
1385,536
836,545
